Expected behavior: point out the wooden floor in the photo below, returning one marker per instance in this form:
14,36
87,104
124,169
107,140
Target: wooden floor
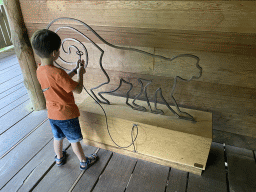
27,156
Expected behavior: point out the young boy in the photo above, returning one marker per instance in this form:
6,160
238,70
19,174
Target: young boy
58,88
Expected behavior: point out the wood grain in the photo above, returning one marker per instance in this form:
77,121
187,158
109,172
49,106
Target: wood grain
92,175
11,90
241,169
214,177
8,100
14,161
24,53
67,173
144,157
15,112
10,74
232,106
117,174
31,173
8,61
14,81
177,181
19,130
185,15
148,177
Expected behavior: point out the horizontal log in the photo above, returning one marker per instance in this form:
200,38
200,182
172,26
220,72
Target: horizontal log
223,16
233,107
191,40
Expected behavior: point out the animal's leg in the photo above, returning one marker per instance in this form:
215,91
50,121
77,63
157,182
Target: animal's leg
108,80
120,84
184,115
159,111
143,89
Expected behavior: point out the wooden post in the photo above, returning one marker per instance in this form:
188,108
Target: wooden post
24,53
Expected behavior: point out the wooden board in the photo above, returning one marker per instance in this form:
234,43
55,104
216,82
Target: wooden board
22,153
13,135
8,62
177,181
24,53
119,109
11,90
148,177
13,105
185,15
234,140
156,132
9,69
16,112
241,169
35,169
144,157
10,74
91,176
214,177
230,105
117,174
15,81
62,178
8,100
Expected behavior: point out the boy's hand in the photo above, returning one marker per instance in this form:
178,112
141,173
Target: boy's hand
80,65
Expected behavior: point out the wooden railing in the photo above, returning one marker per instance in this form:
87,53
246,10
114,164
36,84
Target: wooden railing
5,33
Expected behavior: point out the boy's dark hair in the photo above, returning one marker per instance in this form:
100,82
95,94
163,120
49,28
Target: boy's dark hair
44,42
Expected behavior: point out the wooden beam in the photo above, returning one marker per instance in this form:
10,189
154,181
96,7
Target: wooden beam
24,53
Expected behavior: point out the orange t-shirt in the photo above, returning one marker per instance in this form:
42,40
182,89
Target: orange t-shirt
58,86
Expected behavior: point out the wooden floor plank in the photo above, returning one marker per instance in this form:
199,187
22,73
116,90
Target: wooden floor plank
60,179
8,69
214,177
117,174
177,181
148,177
14,116
11,83
4,111
241,169
22,154
10,74
8,61
20,130
14,96
31,174
91,176
11,90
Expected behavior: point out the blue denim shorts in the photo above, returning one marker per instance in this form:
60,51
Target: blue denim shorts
66,128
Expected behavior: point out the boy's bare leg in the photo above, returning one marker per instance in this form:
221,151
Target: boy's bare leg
78,150
58,145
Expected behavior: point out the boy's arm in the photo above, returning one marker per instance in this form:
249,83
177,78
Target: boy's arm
73,72
80,78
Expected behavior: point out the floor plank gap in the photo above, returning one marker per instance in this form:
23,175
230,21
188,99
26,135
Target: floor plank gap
46,172
102,172
131,176
23,167
13,108
168,178
187,182
11,92
226,167
23,138
14,124
13,100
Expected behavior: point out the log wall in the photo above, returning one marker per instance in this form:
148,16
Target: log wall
221,33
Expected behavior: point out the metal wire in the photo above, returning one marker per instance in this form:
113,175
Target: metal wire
184,115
